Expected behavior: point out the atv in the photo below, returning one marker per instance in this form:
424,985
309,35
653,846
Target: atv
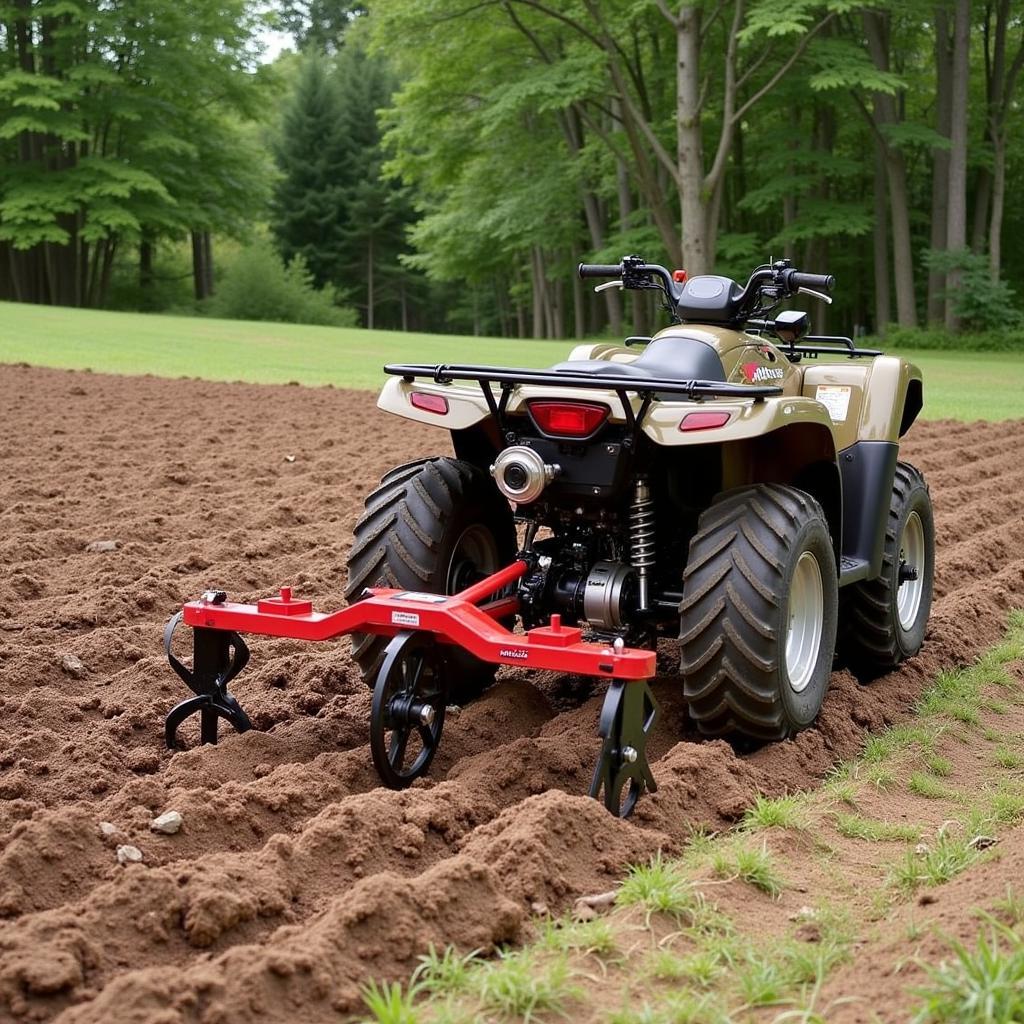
732,481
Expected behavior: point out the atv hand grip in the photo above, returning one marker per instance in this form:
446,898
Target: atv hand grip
819,282
600,270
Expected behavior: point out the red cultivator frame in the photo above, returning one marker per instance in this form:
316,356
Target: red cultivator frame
411,689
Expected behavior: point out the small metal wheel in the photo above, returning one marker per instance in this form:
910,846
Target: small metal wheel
409,701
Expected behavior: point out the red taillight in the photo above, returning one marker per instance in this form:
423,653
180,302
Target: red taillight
568,419
429,403
704,420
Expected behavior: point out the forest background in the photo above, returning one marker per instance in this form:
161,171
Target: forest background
442,165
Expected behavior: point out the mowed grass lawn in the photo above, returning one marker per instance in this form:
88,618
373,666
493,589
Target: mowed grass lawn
960,385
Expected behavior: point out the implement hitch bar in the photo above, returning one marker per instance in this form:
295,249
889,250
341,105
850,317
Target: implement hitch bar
410,691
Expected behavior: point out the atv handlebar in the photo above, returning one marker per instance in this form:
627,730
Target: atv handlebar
600,269
766,288
819,282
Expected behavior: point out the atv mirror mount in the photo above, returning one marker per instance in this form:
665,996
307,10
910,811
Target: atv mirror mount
791,325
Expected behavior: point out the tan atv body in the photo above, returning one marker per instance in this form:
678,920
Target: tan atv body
832,409
724,482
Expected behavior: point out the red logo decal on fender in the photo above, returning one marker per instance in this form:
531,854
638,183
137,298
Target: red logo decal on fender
755,373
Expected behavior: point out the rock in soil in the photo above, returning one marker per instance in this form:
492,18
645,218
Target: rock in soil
129,855
99,547
167,824
72,664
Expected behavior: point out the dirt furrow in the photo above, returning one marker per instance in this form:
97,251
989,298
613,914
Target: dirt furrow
295,876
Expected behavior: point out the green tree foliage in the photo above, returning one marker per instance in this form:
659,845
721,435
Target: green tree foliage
318,26
117,124
315,157
536,132
445,165
332,206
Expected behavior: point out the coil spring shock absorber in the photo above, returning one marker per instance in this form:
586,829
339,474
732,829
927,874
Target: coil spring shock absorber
641,538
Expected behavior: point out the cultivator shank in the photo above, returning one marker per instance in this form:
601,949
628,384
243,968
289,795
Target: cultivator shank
410,693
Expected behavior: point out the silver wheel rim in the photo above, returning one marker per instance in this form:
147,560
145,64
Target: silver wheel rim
806,617
909,592
475,545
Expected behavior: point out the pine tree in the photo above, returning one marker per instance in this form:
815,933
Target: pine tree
317,154
377,210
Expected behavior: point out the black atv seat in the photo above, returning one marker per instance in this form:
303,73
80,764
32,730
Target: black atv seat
670,358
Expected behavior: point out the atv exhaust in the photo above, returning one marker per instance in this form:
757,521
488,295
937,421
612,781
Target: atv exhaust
521,474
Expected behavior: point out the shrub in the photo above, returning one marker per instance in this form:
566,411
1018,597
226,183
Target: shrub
981,303
258,286
938,338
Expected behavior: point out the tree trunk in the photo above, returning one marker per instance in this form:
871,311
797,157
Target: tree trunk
940,162
1002,78
880,249
956,232
995,231
202,273
557,308
537,279
573,131
208,261
145,265
903,259
982,200
689,154
370,299
404,304
579,309
885,112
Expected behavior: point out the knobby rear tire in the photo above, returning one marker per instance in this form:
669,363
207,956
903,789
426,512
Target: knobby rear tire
407,539
734,615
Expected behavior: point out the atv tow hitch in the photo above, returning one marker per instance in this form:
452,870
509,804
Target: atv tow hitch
410,693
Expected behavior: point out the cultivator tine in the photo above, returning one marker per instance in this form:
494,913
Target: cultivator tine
627,717
217,657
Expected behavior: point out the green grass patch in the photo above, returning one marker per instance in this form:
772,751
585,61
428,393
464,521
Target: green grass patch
979,985
389,1004
958,384
778,812
941,767
922,784
661,887
589,938
522,985
443,973
751,864
855,826
950,853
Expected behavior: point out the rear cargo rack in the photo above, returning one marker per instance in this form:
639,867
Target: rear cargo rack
445,373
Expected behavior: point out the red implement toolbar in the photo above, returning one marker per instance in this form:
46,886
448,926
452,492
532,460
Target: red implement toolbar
456,620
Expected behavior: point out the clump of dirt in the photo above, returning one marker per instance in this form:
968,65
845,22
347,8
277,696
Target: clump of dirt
295,877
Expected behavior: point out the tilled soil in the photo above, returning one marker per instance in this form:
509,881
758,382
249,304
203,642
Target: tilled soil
295,877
